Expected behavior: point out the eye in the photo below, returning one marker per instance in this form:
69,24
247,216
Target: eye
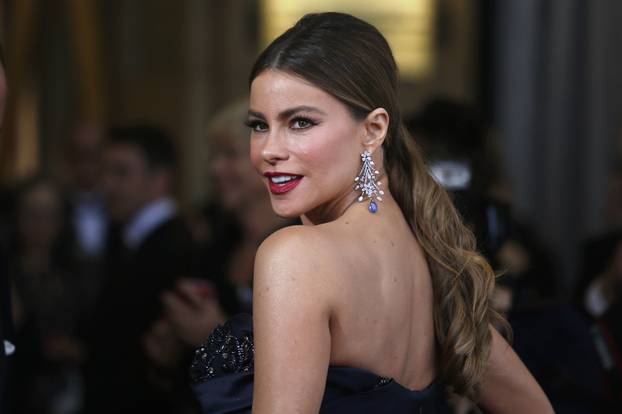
256,125
302,123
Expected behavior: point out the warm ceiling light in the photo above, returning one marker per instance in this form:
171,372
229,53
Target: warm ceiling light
408,25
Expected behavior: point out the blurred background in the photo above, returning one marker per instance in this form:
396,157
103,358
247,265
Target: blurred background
517,103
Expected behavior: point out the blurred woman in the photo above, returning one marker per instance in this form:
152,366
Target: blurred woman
230,229
46,300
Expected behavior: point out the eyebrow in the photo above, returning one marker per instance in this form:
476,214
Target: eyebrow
288,112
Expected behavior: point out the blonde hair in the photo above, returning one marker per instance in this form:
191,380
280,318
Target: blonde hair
230,121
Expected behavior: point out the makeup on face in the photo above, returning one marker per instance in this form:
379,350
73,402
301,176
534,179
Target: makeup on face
281,182
297,119
303,143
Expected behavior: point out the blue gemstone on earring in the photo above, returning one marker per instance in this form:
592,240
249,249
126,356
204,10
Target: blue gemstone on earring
373,207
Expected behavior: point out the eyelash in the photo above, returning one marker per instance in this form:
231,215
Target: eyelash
255,123
308,121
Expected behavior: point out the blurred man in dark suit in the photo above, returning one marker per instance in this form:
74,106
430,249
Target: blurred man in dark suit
149,249
6,347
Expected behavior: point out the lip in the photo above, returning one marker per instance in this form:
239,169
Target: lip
279,189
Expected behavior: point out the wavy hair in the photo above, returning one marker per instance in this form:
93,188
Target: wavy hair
352,61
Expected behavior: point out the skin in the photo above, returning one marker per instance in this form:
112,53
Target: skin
129,183
236,182
326,154
337,303
508,386
347,288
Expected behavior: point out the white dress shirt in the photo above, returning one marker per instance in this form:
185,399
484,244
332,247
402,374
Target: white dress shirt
147,220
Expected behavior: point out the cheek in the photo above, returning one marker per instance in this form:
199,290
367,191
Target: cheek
332,158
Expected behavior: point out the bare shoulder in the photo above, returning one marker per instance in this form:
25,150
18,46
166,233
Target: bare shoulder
297,258
297,248
293,301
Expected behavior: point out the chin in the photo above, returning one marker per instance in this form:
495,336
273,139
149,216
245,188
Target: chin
285,211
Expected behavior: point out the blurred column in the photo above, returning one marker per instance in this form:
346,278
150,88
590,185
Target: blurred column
85,32
515,90
196,43
220,46
18,142
604,100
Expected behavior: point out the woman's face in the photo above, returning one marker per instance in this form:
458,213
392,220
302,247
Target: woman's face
39,217
235,179
304,143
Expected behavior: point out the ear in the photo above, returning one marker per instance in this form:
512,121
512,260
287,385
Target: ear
376,125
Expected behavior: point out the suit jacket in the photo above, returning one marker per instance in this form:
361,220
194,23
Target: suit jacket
129,306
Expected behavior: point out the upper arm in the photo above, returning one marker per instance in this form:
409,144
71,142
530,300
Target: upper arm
291,314
508,386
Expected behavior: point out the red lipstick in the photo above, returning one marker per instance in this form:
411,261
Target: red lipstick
285,186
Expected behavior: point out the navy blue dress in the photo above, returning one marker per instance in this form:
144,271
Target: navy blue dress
222,378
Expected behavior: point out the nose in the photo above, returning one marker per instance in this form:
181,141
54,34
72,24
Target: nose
274,149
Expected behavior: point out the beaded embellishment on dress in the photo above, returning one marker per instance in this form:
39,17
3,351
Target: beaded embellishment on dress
223,379
223,352
382,381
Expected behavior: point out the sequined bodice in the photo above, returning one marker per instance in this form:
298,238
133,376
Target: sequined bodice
222,379
227,352
224,352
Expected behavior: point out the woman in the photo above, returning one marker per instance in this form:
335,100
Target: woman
47,294
241,196
229,231
371,306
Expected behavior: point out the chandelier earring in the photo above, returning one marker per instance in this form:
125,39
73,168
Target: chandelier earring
366,183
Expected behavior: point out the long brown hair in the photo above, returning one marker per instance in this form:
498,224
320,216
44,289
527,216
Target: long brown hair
351,60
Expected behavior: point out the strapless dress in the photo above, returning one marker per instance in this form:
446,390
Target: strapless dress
222,381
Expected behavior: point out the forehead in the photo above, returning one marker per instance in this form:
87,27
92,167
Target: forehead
275,90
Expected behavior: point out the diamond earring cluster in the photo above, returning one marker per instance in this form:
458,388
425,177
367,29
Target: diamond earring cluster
367,184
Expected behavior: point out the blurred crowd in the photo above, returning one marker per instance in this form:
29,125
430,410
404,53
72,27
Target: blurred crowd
114,284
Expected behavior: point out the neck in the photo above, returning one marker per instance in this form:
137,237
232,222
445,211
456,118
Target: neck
334,209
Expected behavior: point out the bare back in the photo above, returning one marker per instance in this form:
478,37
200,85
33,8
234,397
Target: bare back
383,321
